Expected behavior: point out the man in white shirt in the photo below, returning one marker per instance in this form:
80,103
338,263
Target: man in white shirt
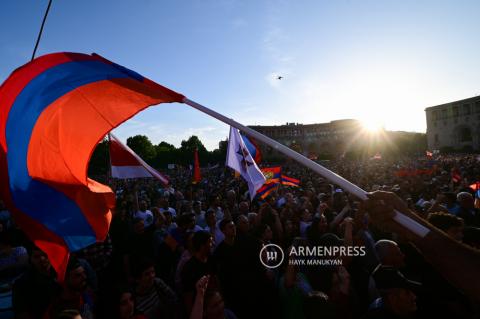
213,228
164,207
145,214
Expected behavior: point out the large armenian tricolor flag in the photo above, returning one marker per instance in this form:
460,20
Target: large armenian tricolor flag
53,112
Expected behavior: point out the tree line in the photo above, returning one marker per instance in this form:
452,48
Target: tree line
392,144
160,155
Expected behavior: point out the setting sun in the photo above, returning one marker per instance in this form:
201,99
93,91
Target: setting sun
372,125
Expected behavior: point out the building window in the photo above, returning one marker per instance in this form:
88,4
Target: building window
455,111
436,138
455,121
435,115
465,135
477,107
444,123
466,109
444,113
434,124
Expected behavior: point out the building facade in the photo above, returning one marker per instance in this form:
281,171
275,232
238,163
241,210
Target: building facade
454,125
314,139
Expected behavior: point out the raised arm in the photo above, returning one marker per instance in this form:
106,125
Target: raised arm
458,263
201,287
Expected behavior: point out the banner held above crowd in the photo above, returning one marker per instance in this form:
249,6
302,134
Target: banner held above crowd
125,163
240,159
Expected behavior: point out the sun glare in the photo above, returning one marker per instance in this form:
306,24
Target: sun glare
372,126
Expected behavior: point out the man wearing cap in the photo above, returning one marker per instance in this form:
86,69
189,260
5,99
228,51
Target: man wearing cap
398,299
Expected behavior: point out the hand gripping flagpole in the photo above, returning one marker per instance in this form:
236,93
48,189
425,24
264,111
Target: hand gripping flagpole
400,218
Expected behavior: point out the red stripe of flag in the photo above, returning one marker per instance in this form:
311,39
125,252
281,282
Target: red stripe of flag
289,181
266,189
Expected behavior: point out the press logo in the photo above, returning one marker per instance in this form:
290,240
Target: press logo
271,256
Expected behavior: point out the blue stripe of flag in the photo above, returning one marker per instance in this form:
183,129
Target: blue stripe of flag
43,203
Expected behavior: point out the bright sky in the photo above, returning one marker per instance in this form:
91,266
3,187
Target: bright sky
378,60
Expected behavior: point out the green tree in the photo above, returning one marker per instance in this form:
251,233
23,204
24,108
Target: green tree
222,148
165,154
187,148
193,143
219,154
164,146
141,145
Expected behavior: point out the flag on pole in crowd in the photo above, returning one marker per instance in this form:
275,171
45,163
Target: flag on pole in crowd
240,160
197,175
266,189
253,148
272,174
53,112
272,180
289,181
125,163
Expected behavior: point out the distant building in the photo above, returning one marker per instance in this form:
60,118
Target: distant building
454,125
313,139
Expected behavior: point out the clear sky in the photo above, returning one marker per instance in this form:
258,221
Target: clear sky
378,60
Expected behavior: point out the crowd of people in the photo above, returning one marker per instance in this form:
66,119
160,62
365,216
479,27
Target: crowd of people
193,250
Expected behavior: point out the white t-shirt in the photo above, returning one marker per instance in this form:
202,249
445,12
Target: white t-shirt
172,211
147,217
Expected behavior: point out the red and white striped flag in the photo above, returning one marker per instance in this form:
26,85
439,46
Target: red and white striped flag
126,163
